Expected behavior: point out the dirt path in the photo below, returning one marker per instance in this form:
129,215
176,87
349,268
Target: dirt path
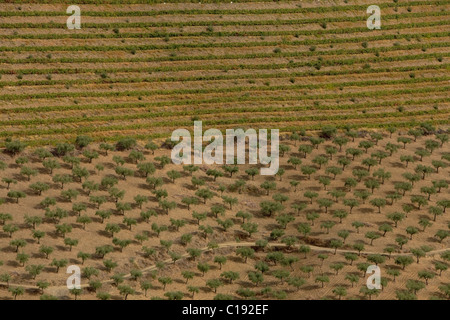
228,245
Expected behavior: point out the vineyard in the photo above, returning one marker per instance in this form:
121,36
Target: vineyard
145,68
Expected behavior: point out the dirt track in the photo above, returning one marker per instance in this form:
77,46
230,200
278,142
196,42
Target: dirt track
238,244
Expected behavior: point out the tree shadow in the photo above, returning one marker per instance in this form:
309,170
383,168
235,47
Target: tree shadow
367,210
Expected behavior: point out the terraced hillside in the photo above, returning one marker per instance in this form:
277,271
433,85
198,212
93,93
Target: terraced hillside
143,68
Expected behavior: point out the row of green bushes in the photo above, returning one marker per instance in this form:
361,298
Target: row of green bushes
224,77
222,90
226,67
219,122
223,44
333,8
202,104
205,103
311,53
247,98
162,34
203,23
230,110
309,127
